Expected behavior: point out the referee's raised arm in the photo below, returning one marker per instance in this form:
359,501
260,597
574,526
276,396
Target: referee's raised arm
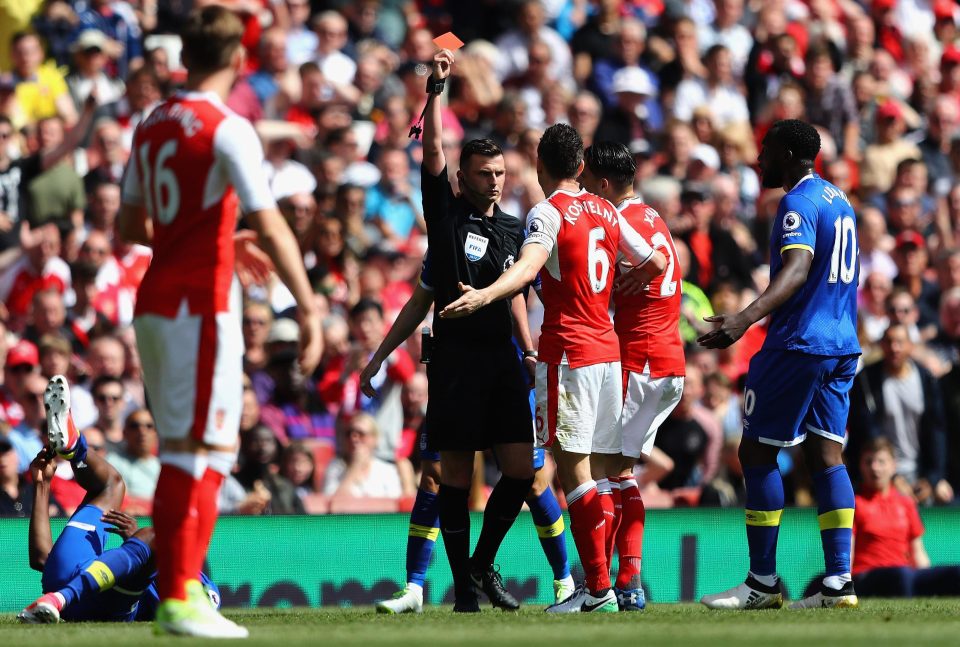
433,159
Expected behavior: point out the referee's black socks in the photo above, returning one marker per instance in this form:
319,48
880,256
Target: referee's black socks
502,509
455,528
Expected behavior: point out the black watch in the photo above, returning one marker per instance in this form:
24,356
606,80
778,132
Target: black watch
435,86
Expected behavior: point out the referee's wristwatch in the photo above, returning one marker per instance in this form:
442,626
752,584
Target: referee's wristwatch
530,353
435,86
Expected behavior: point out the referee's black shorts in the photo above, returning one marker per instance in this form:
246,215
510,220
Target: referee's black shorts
478,397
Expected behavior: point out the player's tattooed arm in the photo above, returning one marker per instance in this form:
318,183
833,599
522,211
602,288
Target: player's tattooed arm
730,328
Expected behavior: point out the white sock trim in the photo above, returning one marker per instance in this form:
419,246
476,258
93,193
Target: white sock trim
628,482
193,464
221,462
766,580
579,491
604,486
836,582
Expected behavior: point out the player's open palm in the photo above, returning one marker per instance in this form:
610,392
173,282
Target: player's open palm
442,64
729,330
469,302
124,525
253,265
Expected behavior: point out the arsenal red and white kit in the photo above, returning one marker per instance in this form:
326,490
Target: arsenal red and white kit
192,164
579,392
648,326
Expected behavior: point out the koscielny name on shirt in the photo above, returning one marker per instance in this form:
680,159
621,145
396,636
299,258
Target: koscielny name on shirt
176,112
830,194
573,211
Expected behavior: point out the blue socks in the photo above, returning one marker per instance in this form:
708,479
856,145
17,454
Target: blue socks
424,530
117,565
835,504
764,506
548,519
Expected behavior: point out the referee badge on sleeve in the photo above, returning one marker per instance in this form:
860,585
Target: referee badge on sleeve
475,246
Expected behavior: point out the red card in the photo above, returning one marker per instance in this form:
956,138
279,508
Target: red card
448,41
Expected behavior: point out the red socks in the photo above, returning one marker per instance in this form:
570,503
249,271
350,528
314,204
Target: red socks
630,534
605,492
207,512
588,525
176,522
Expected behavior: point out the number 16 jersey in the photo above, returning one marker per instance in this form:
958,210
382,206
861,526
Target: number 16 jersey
821,317
583,234
193,163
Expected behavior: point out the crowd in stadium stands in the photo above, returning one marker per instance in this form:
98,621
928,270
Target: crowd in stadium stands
333,88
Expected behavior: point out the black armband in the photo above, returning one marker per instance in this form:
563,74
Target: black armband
435,86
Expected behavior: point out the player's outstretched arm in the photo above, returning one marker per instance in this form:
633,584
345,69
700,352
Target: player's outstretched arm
433,158
278,242
40,538
520,275
796,266
412,314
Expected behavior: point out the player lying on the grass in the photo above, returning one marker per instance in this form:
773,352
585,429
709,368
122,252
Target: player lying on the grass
798,385
424,518
81,580
651,355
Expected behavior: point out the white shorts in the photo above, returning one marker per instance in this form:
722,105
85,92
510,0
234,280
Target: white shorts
647,404
193,373
579,408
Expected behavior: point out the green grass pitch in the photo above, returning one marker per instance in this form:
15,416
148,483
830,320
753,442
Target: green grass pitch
904,623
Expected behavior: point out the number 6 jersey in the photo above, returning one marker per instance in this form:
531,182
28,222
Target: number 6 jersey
193,160
583,234
821,317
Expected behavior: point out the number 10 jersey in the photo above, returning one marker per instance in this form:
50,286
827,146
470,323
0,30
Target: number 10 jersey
821,317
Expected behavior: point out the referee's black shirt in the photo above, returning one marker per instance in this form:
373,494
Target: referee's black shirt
466,246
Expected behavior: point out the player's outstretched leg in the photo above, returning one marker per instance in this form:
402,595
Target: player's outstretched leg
764,507
421,540
835,505
629,539
548,519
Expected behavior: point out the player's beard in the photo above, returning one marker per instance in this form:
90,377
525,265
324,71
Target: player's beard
770,179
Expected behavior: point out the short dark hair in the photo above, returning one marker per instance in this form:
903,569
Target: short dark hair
4,119
611,160
210,38
879,444
365,305
798,136
103,380
22,34
561,151
479,147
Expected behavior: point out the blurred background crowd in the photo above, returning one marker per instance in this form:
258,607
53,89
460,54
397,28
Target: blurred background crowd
333,88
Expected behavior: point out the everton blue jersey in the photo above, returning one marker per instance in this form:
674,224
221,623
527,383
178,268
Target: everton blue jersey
821,318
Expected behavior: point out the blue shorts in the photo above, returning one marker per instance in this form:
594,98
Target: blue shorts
427,455
789,394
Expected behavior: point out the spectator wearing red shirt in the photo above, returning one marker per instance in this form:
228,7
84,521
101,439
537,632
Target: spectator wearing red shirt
889,558
39,268
340,385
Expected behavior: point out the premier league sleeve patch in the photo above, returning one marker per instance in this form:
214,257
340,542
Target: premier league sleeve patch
475,246
791,221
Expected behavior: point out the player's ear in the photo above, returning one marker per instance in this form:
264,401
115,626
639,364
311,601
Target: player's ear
238,59
580,169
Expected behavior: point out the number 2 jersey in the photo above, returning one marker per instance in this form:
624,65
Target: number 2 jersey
821,317
583,234
648,324
193,161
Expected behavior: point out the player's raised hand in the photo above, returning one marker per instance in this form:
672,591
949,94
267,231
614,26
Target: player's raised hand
367,375
43,466
729,330
442,64
311,342
253,265
125,525
469,302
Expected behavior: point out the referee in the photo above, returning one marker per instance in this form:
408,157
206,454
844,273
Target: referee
478,388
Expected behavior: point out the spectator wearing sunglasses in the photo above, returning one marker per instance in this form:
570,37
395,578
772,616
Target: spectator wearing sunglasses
137,461
108,398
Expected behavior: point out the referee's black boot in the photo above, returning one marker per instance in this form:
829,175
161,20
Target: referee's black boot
466,602
490,582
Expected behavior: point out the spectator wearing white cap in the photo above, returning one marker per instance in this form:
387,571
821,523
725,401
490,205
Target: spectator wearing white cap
717,90
89,70
628,119
704,163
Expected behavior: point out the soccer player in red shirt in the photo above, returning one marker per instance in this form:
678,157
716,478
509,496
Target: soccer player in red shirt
651,355
889,559
193,163
575,237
